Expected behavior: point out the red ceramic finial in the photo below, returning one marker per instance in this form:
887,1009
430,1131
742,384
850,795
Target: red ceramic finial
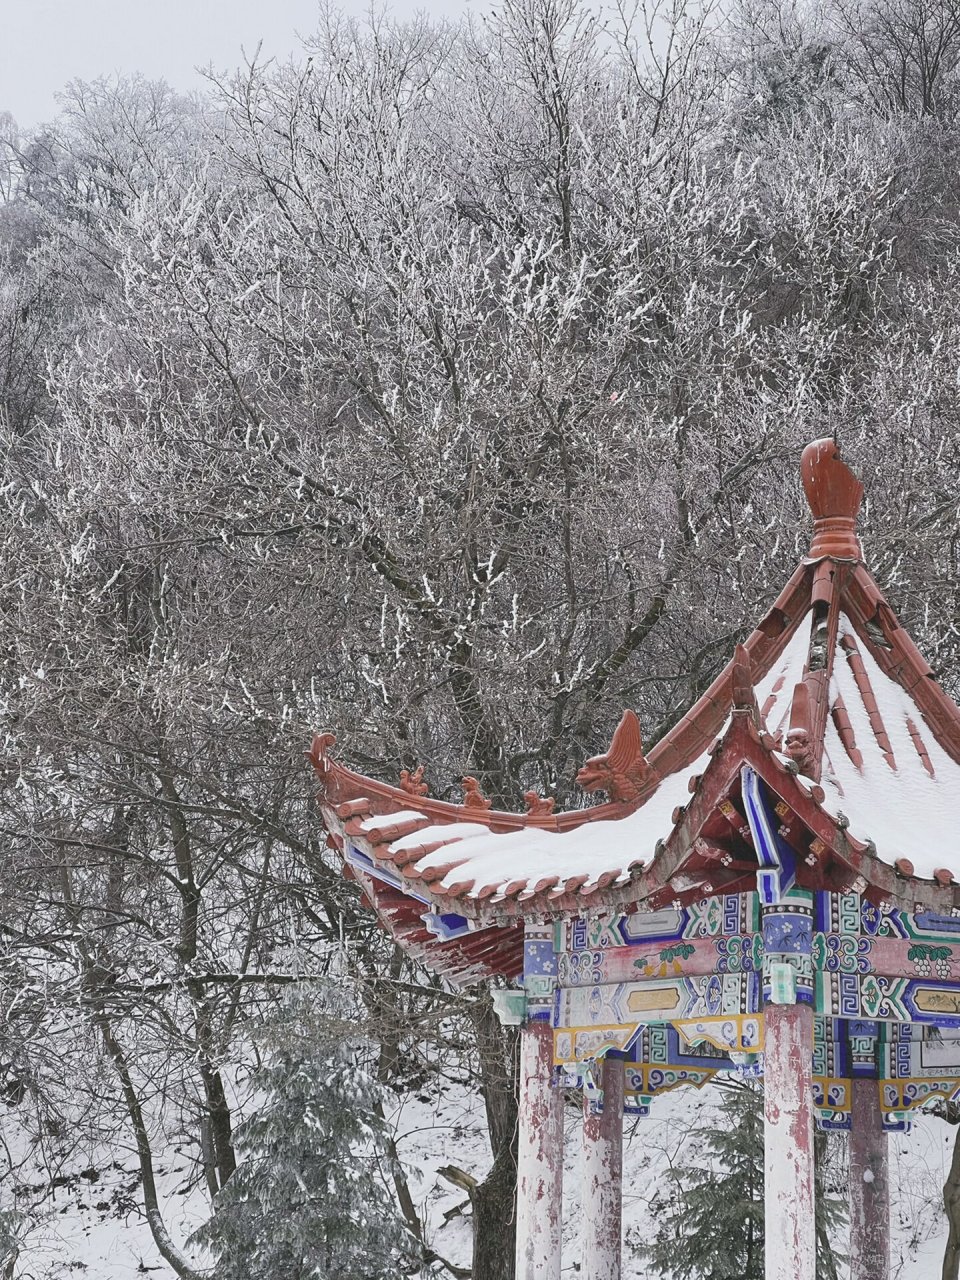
834,494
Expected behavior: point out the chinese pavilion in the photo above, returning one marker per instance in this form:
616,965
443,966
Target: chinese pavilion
766,890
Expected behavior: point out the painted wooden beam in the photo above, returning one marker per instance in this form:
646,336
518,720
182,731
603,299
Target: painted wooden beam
832,953
790,1232
603,1176
539,1158
869,1186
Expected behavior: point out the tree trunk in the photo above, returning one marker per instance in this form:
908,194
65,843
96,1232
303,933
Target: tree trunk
220,1124
951,1204
494,1199
494,1224
166,1247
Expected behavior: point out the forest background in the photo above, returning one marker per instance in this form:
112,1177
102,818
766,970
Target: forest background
444,387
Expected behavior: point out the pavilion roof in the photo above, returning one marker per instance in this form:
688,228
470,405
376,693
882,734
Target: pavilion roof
828,701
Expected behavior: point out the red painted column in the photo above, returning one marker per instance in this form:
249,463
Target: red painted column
789,1226
539,1158
603,1177
869,1188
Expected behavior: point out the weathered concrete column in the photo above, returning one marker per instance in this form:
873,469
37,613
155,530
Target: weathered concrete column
539,1158
603,1176
789,1226
869,1187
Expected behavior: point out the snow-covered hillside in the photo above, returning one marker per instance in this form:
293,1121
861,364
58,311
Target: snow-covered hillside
89,1220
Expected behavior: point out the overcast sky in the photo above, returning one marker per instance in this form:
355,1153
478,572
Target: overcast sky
45,43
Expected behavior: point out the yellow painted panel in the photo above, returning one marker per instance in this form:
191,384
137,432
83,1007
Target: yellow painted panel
660,1000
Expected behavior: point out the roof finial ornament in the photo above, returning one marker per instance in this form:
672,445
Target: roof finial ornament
412,782
622,771
321,752
538,806
473,797
834,494
798,744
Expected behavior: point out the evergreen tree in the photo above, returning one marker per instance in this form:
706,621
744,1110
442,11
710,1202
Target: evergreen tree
9,1242
308,1200
711,1218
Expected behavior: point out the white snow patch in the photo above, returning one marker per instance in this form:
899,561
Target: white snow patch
449,831
904,811
789,666
391,819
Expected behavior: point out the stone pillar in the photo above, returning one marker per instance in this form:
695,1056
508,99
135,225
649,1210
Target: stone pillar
869,1190
789,1225
603,1176
539,1158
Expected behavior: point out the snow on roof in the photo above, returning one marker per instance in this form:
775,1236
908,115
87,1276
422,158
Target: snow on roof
906,811
908,808
521,863
828,686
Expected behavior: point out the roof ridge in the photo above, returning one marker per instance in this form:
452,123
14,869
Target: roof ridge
364,797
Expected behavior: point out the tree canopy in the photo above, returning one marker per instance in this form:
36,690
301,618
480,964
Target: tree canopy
443,387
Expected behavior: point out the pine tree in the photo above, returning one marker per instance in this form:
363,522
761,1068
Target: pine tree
9,1242
308,1200
711,1218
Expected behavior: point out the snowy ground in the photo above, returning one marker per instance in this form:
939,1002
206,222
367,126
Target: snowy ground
452,1132
91,1223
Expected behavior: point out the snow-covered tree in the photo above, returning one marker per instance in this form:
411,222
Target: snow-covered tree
9,1242
311,1198
710,1214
